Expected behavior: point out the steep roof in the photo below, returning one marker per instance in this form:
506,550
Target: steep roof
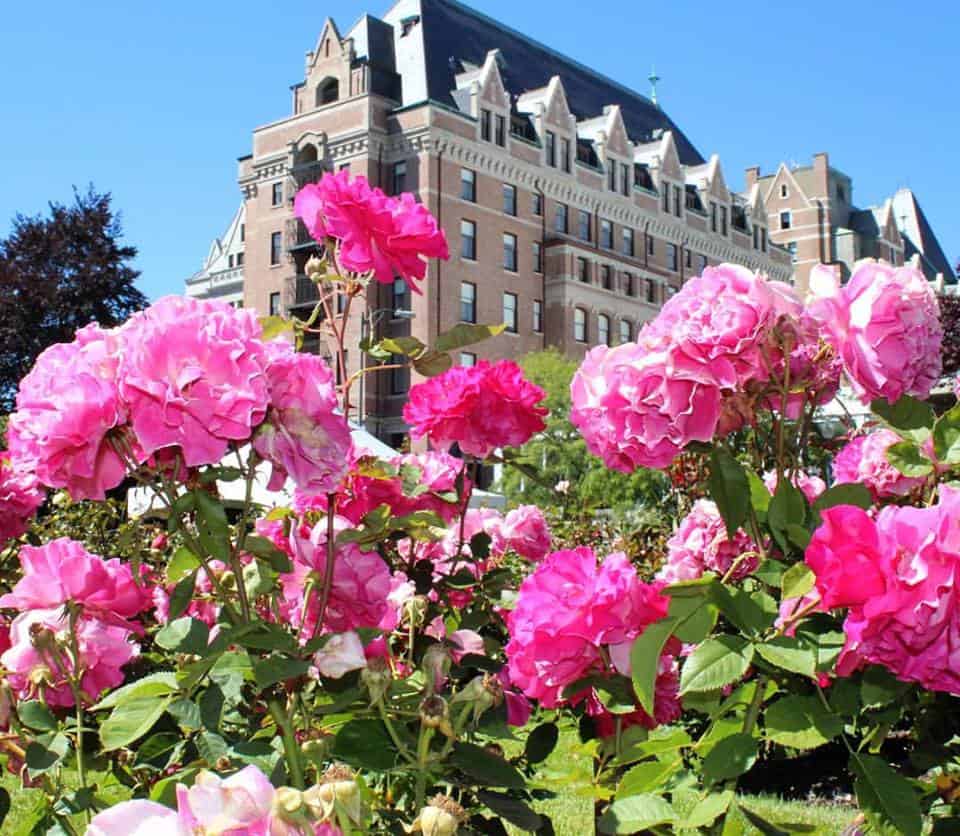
918,236
454,34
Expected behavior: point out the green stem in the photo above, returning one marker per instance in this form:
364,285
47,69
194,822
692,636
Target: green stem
423,756
401,746
290,747
77,700
328,565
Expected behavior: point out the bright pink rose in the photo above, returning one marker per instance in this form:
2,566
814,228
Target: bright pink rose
137,818
36,669
864,461
667,707
885,326
384,235
64,571
20,496
566,609
67,411
304,435
809,485
193,377
525,531
634,410
233,806
480,407
846,555
700,544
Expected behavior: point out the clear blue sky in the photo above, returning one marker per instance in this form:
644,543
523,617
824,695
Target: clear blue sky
155,101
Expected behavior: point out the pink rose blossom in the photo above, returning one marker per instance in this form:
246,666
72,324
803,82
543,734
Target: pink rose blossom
137,818
700,544
479,407
193,377
885,326
384,235
342,653
566,609
64,571
20,496
864,461
67,411
303,436
809,485
667,707
525,531
35,670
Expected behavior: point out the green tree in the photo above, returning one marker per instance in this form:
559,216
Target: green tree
559,455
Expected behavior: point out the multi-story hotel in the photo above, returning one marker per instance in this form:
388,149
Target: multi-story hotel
812,214
574,206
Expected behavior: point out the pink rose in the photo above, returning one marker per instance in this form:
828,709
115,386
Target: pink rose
667,707
342,653
236,805
525,531
383,235
885,326
809,485
304,435
864,461
64,571
192,376
20,496
479,407
137,818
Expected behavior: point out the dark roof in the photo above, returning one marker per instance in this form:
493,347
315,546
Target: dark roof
864,222
932,258
451,30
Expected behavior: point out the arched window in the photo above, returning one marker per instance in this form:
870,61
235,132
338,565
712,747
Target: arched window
603,329
328,91
626,331
580,325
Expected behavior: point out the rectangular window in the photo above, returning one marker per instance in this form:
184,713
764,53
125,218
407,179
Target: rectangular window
399,300
583,270
626,332
723,220
627,241
606,277
276,196
560,219
485,125
243,233
565,154
501,137
665,196
537,257
763,238
510,311
603,329
274,304
584,225
468,185
756,238
510,252
537,316
509,199
672,257
468,302
650,247
625,179
468,358
713,216
551,148
792,249
399,184
230,261
606,235
580,325
276,247
611,175
628,285
703,263
239,259
468,240
399,377
677,202
689,258
537,201
786,220
651,291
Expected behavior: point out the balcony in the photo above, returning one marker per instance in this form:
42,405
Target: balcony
300,292
297,237
305,173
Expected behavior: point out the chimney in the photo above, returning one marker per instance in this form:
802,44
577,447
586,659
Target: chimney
752,175
821,164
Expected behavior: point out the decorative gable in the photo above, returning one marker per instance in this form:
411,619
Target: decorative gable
669,158
716,183
617,141
492,90
556,110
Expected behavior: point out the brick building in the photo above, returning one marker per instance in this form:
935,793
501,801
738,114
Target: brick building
573,206
812,215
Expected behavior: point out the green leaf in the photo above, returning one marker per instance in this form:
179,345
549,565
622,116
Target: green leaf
886,797
797,581
186,713
132,719
274,326
182,595
880,687
790,654
759,498
715,663
512,809
366,744
848,494
181,564
636,813
801,722
645,657
262,547
729,488
156,684
771,572
707,811
46,752
258,578
184,635
489,769
910,417
731,757
659,741
404,346
432,363
616,694
906,457
647,776
463,335
35,715
691,608
276,668
787,508
541,742
750,612
213,528
946,436
760,823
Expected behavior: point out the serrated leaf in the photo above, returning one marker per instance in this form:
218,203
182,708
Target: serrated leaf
489,769
365,743
759,495
645,657
846,494
46,752
906,457
432,363
184,635
273,326
181,564
512,809
885,796
156,685
732,756
404,346
541,742
751,612
910,417
35,715
729,488
276,668
790,654
797,581
636,813
647,776
946,436
801,722
707,811
131,719
715,663
464,334
880,687
182,595
262,547
787,508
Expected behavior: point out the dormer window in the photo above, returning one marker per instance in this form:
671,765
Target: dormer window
665,197
551,148
565,154
612,175
625,179
786,220
328,91
485,125
501,132
784,191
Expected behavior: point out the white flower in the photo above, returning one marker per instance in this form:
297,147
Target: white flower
342,653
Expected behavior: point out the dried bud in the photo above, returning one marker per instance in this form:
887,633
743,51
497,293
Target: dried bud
483,693
376,676
317,749
436,664
435,714
441,817
316,269
42,637
338,788
222,764
415,610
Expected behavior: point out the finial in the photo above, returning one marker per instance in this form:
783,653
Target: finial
653,78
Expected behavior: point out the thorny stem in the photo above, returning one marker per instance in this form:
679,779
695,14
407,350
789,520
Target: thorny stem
328,565
290,748
74,679
423,756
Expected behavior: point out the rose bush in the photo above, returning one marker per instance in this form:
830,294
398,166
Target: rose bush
383,657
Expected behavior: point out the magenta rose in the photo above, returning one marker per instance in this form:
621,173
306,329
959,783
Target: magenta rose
809,485
525,531
864,461
20,496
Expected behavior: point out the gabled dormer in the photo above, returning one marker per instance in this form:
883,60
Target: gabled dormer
756,211
669,178
554,123
327,73
613,148
489,100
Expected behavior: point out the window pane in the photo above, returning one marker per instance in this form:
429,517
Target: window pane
510,311
468,185
468,302
560,220
537,315
580,325
276,244
537,257
509,199
509,251
584,225
603,329
537,204
274,304
626,332
468,238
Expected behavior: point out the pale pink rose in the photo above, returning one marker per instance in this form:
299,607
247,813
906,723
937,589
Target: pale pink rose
234,806
304,435
35,673
137,818
480,408
20,496
790,607
64,571
634,410
566,610
68,410
525,531
809,485
383,235
340,654
815,369
885,326
700,544
464,643
864,461
402,589
192,376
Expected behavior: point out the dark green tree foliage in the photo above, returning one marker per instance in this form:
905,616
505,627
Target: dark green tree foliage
950,319
58,273
559,454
